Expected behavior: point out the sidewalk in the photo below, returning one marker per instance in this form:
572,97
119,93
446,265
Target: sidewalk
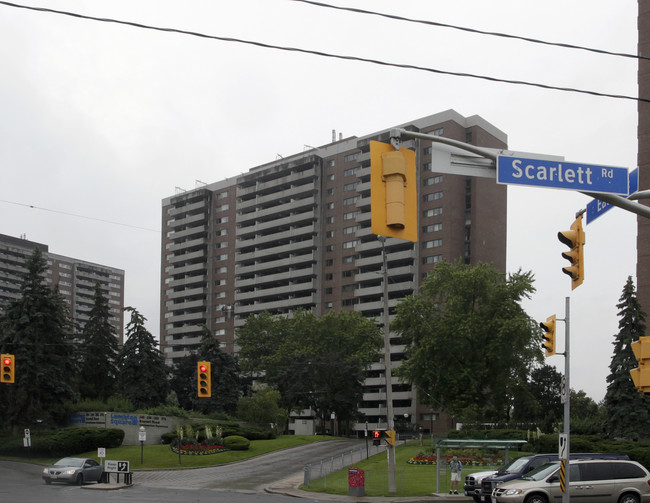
289,487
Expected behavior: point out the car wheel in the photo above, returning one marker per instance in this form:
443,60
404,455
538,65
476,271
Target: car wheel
47,481
535,498
478,499
80,479
629,498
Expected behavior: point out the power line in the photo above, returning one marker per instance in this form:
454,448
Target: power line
474,30
330,55
79,216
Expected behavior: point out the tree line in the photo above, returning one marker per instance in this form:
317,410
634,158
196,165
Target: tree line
468,348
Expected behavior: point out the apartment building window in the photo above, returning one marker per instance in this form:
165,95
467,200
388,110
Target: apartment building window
221,270
329,276
433,212
330,192
350,244
331,177
434,243
427,166
331,163
351,215
348,302
351,230
348,288
350,171
329,220
222,220
432,228
218,258
351,157
221,244
351,186
437,132
432,259
328,291
329,262
330,206
330,234
434,196
349,259
350,200
329,248
432,180
347,274
221,232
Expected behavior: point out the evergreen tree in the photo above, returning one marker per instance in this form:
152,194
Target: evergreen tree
627,411
142,373
99,351
37,329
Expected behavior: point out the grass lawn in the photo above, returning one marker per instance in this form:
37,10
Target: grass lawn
410,480
161,456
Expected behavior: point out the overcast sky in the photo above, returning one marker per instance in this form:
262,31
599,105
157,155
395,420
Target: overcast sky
103,121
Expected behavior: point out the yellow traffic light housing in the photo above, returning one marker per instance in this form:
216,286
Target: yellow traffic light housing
8,374
204,379
393,192
641,374
574,239
549,335
389,436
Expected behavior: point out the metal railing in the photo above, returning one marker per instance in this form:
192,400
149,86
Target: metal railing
325,466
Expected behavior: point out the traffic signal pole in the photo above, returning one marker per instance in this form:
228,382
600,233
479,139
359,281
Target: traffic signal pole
567,403
390,420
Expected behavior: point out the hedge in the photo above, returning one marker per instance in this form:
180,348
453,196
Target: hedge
63,442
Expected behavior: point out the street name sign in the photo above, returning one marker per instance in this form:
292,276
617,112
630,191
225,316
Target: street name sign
596,207
561,175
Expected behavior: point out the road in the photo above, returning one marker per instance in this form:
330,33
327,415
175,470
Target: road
250,475
241,482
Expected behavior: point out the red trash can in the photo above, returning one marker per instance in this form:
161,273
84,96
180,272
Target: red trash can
356,482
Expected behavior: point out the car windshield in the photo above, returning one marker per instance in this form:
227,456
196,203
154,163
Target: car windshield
542,472
514,466
69,462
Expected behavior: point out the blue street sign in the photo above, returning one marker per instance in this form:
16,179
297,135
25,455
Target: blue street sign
596,207
562,175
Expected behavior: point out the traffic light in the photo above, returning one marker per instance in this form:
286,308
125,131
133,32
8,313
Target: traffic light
387,435
574,239
641,374
549,335
8,374
204,379
393,192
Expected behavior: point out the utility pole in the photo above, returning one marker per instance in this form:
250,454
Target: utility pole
390,420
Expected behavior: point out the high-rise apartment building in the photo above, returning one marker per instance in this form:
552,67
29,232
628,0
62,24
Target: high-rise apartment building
295,233
75,279
643,109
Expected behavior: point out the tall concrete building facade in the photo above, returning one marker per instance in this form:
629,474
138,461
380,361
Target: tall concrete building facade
295,233
76,280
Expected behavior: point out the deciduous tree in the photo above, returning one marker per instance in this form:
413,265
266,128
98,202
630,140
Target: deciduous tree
468,340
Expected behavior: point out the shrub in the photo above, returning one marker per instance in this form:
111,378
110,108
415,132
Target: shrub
63,442
236,443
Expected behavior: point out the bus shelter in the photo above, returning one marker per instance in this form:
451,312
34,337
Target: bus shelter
447,443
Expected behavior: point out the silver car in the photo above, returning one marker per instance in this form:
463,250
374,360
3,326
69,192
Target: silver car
592,480
73,471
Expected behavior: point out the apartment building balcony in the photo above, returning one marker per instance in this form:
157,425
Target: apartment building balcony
195,318
184,306
263,199
284,264
187,257
294,207
260,280
187,208
199,230
192,243
199,279
281,250
289,180
276,305
189,220
170,293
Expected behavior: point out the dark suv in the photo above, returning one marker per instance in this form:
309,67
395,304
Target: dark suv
521,466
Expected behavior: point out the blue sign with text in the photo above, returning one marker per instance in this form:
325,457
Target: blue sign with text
562,175
596,208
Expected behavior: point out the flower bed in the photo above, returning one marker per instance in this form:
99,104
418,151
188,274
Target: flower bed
198,449
467,461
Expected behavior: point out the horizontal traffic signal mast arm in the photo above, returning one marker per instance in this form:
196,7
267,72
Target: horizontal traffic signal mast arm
480,168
